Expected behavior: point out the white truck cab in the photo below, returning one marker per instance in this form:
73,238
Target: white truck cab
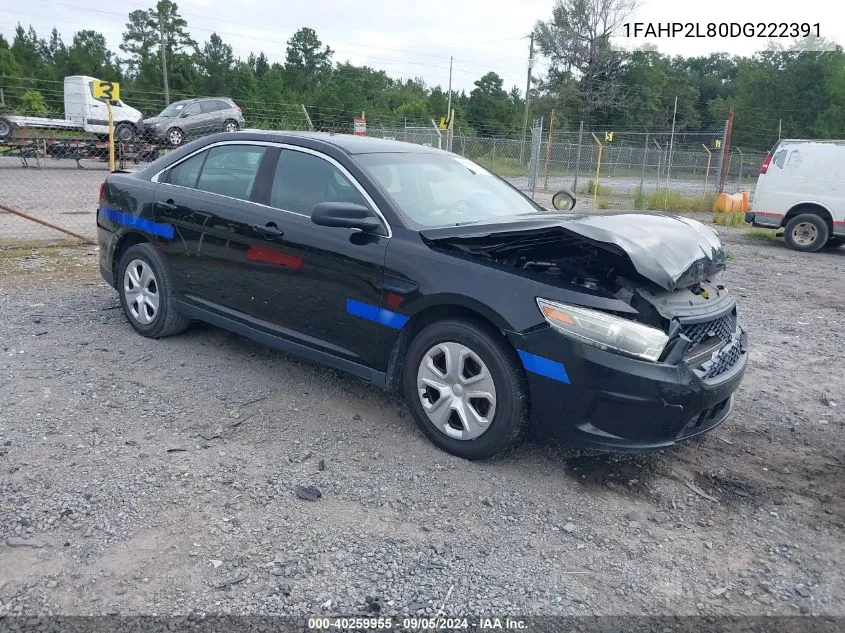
82,112
82,108
801,188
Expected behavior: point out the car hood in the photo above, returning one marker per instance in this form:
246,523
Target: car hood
155,120
671,251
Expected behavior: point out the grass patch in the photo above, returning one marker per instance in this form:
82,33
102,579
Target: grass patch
729,219
639,198
504,167
603,204
590,188
762,234
668,200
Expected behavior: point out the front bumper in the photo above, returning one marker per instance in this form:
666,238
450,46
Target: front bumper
618,403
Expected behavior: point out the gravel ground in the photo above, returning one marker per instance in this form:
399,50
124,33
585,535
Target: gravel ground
141,477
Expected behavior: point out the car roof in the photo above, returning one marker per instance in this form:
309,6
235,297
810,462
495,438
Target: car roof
349,143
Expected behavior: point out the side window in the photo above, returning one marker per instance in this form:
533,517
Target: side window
222,105
209,106
303,180
191,110
185,174
230,170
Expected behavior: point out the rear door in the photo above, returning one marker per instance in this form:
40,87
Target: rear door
208,198
212,112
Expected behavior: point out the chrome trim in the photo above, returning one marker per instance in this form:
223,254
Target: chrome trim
296,148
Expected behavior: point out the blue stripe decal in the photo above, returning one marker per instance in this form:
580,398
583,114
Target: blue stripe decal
374,313
543,366
156,228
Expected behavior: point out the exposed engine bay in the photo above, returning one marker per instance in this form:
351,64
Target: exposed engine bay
695,311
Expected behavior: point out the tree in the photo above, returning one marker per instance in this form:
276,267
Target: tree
32,102
89,54
216,65
577,41
142,41
307,62
489,108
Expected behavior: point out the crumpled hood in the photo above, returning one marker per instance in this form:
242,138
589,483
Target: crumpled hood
155,120
671,251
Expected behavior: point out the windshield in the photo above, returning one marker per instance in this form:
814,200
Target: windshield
172,110
441,190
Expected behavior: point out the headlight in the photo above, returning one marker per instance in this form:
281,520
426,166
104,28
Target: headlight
604,330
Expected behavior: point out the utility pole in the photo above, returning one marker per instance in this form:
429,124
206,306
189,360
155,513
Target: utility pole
527,95
163,58
449,105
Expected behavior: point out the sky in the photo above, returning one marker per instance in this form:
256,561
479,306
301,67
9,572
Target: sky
417,39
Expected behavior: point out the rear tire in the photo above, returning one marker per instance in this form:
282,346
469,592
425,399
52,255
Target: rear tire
124,133
6,128
807,233
145,286
231,126
481,365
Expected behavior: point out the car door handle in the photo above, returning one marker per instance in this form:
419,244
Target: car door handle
166,206
268,229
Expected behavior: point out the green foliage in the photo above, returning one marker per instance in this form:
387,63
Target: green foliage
639,198
728,218
669,200
586,79
32,102
762,234
590,188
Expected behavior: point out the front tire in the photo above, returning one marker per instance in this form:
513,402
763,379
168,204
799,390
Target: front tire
175,136
6,128
466,389
146,295
807,233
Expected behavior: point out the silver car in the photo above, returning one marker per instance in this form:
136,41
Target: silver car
192,118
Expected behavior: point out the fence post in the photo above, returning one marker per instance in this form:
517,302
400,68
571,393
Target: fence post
598,168
706,173
578,157
549,150
659,165
645,156
439,135
741,160
307,117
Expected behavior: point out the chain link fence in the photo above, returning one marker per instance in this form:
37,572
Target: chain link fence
50,177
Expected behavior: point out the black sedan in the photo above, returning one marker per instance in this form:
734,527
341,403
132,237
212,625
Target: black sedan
420,271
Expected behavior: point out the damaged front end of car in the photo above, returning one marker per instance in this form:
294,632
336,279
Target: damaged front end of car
666,345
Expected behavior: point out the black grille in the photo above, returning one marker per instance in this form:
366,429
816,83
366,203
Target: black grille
723,328
727,358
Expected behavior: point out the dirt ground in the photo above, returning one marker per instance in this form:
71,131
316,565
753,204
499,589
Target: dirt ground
141,477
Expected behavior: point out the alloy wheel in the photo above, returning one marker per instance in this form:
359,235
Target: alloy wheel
231,126
141,291
175,137
456,390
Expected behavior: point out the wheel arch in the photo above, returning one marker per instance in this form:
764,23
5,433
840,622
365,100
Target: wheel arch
127,239
809,207
452,308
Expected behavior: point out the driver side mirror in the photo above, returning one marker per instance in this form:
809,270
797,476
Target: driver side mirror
345,215
563,200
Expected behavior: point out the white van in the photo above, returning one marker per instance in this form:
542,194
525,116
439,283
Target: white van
801,188
82,111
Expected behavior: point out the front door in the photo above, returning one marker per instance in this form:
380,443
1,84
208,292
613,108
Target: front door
246,248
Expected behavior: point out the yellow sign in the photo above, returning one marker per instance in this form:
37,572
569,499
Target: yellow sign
445,122
608,136
718,144
109,90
